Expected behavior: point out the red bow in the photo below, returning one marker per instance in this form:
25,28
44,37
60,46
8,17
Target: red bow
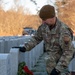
25,68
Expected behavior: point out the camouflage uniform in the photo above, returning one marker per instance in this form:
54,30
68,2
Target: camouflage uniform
58,45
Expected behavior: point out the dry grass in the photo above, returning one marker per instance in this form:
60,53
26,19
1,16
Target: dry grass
67,13
12,23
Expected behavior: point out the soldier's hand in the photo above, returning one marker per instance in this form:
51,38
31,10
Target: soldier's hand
21,49
55,72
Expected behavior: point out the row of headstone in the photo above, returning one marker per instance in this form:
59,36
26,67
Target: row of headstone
9,61
7,42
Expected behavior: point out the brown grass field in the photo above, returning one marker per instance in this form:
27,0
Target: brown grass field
12,23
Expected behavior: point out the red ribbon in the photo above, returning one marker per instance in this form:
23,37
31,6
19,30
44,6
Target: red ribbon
25,68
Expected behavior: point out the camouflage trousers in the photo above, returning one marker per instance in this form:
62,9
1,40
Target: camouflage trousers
51,60
65,74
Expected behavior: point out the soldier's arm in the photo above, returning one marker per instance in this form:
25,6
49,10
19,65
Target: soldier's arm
37,38
67,49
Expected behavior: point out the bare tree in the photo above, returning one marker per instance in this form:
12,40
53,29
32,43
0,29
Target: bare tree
33,2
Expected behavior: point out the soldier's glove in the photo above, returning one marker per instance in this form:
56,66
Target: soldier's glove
21,49
55,72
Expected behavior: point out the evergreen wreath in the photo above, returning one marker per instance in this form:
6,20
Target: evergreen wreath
23,69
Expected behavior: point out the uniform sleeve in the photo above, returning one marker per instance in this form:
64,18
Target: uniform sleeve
67,49
37,38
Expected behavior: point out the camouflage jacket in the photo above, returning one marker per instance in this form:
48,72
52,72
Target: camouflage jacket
57,39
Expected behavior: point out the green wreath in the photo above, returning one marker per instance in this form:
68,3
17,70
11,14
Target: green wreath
21,70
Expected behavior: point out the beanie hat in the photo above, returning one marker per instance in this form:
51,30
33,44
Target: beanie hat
46,12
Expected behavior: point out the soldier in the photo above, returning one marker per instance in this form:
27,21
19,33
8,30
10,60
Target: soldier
58,41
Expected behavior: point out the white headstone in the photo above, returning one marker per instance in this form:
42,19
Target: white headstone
14,60
72,65
1,46
5,64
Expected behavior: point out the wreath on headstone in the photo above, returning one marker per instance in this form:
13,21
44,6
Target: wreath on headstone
23,69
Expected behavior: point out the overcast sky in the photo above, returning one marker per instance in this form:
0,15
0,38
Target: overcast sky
8,4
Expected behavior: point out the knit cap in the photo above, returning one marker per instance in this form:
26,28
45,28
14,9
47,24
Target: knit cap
47,11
